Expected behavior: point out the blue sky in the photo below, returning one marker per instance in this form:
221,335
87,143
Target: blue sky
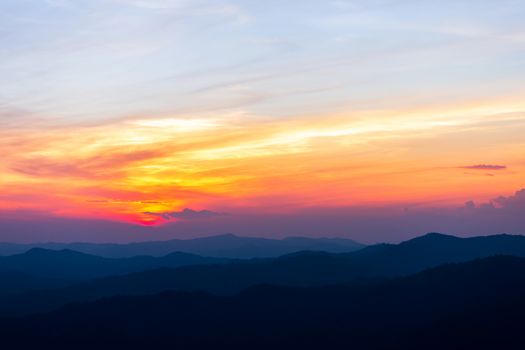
83,61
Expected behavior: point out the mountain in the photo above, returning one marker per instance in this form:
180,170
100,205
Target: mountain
472,305
224,246
42,268
434,249
14,282
305,269
301,269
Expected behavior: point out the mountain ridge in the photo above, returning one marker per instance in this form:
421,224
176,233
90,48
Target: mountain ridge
223,246
302,269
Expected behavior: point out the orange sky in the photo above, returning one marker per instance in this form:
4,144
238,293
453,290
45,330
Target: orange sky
122,169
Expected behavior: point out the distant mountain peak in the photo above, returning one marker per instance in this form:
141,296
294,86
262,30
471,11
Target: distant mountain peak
227,237
438,234
231,235
431,237
37,251
224,235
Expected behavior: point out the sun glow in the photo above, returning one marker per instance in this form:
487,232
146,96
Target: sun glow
125,169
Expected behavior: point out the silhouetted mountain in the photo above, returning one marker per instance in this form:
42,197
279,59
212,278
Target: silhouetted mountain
434,249
305,269
226,246
13,282
473,305
42,266
299,269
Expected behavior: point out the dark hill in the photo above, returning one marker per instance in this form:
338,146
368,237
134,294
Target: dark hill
13,282
299,269
434,249
43,266
473,305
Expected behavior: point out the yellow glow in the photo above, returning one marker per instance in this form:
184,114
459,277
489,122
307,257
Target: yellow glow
123,169
177,125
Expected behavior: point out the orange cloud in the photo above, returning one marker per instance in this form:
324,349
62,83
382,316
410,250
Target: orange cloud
124,169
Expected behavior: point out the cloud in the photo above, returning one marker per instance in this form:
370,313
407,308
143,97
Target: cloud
502,205
100,165
187,214
58,3
515,202
484,167
202,8
155,4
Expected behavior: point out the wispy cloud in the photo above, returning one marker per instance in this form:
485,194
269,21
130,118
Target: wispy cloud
187,214
484,167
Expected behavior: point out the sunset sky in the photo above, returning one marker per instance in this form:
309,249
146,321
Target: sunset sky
377,120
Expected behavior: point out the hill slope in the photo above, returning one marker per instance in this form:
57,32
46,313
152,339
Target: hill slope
476,304
43,268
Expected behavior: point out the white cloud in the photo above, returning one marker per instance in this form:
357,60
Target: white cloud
155,4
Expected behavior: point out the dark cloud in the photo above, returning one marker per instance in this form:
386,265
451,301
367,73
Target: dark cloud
502,204
485,167
470,205
187,214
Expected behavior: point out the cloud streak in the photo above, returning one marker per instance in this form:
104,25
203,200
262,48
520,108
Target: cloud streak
187,214
485,167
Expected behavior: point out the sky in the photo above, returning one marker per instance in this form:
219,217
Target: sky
378,120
